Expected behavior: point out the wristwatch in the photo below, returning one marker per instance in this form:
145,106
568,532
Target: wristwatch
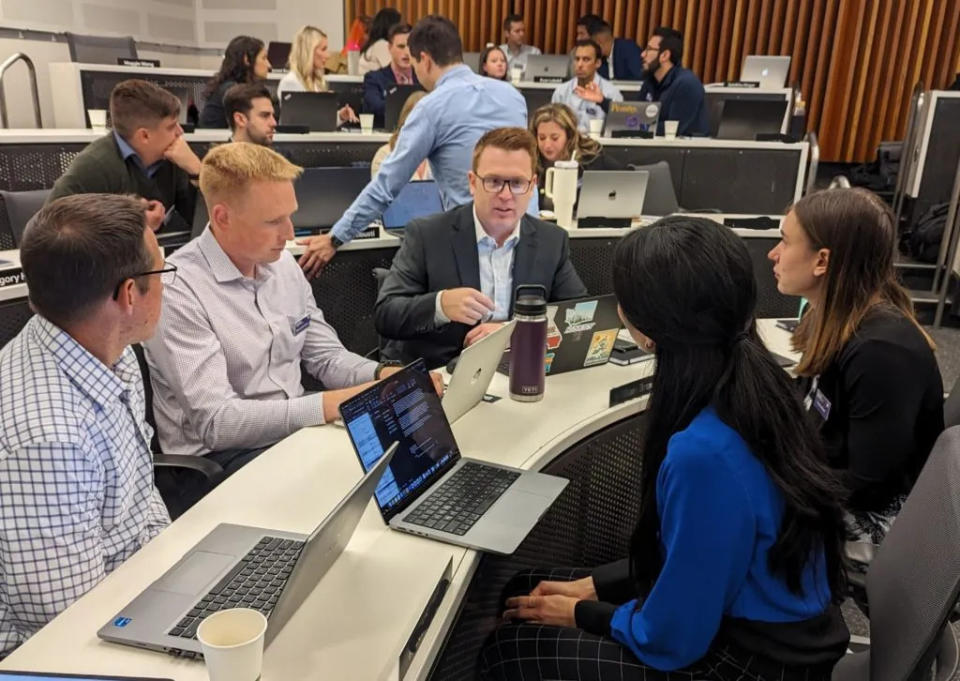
336,241
383,365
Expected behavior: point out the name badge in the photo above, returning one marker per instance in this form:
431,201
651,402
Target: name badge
821,404
300,326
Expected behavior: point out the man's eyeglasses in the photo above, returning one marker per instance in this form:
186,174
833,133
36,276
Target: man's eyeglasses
167,275
494,185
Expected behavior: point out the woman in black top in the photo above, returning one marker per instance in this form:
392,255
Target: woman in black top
868,373
558,139
244,61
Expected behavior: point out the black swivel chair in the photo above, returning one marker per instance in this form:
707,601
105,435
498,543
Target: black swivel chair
18,208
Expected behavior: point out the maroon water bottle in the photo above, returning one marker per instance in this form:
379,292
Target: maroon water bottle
528,345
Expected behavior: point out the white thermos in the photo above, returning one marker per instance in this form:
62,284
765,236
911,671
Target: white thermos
561,187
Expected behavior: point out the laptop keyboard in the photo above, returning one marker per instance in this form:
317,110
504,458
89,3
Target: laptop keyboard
457,504
255,582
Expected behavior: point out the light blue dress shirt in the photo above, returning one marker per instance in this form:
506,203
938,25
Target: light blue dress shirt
586,111
443,128
126,151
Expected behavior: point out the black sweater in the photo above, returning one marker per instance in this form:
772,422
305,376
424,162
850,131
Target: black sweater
879,409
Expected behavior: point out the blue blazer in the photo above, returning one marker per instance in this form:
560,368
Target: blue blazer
627,61
376,86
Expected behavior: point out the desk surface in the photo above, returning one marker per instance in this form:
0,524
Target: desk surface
355,622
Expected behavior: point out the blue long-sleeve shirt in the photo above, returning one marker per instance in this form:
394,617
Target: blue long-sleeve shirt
720,513
443,127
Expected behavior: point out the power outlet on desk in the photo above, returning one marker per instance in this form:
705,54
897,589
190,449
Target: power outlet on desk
426,617
631,390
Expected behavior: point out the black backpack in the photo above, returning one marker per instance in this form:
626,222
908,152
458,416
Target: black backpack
923,241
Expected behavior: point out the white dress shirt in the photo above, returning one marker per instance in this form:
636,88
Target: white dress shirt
77,496
496,272
225,359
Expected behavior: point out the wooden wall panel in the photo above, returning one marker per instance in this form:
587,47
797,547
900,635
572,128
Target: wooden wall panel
854,61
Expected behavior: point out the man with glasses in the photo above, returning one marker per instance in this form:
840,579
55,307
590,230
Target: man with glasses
432,305
77,495
678,90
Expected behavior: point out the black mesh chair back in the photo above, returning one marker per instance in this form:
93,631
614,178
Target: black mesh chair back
19,208
914,580
94,49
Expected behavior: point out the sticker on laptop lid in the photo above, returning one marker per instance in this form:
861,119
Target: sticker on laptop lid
121,622
580,317
600,347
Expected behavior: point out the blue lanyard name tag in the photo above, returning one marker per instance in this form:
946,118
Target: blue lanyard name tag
301,325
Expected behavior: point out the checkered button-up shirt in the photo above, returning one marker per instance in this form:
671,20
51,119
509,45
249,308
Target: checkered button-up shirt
77,495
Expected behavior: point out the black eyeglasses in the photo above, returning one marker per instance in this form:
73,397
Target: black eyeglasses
168,275
495,185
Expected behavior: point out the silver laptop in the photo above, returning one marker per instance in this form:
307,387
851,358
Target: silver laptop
549,66
770,72
430,490
612,194
239,566
472,59
476,367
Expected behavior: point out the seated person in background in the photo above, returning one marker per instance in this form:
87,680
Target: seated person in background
145,154
378,84
432,305
238,322
515,51
621,56
555,127
868,373
244,61
735,561
444,127
249,111
588,94
375,53
493,63
423,171
308,54
77,496
678,90
586,25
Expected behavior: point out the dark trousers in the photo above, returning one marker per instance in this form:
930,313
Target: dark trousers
181,488
532,652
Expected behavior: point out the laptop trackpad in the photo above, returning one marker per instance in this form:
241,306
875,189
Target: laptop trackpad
194,573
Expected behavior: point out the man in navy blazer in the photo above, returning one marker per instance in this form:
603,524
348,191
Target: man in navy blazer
378,84
453,280
624,54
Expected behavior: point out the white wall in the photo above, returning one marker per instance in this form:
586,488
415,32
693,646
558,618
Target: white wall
219,20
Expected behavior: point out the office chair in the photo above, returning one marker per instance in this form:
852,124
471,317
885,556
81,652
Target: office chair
18,209
914,581
93,49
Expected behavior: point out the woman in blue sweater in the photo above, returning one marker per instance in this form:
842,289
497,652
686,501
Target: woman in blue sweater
735,563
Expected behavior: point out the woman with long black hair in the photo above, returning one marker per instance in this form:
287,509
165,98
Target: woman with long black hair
375,53
735,565
244,61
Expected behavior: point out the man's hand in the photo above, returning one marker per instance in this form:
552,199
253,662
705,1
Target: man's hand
590,92
180,154
465,305
559,611
319,252
348,115
154,213
581,589
480,331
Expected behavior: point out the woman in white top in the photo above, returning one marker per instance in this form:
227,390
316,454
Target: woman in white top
423,171
308,54
375,53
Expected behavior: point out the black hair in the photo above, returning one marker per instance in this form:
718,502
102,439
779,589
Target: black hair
688,284
483,60
590,22
438,37
589,42
510,20
601,27
398,29
380,27
239,99
671,39
237,64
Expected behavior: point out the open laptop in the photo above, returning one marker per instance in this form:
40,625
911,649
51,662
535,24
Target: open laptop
317,111
661,197
611,198
394,102
325,194
475,369
279,54
631,119
535,98
549,66
744,119
430,489
472,59
239,566
580,334
770,72
416,200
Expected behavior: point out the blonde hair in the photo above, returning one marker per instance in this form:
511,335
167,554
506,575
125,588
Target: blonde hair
408,105
301,58
587,147
228,170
